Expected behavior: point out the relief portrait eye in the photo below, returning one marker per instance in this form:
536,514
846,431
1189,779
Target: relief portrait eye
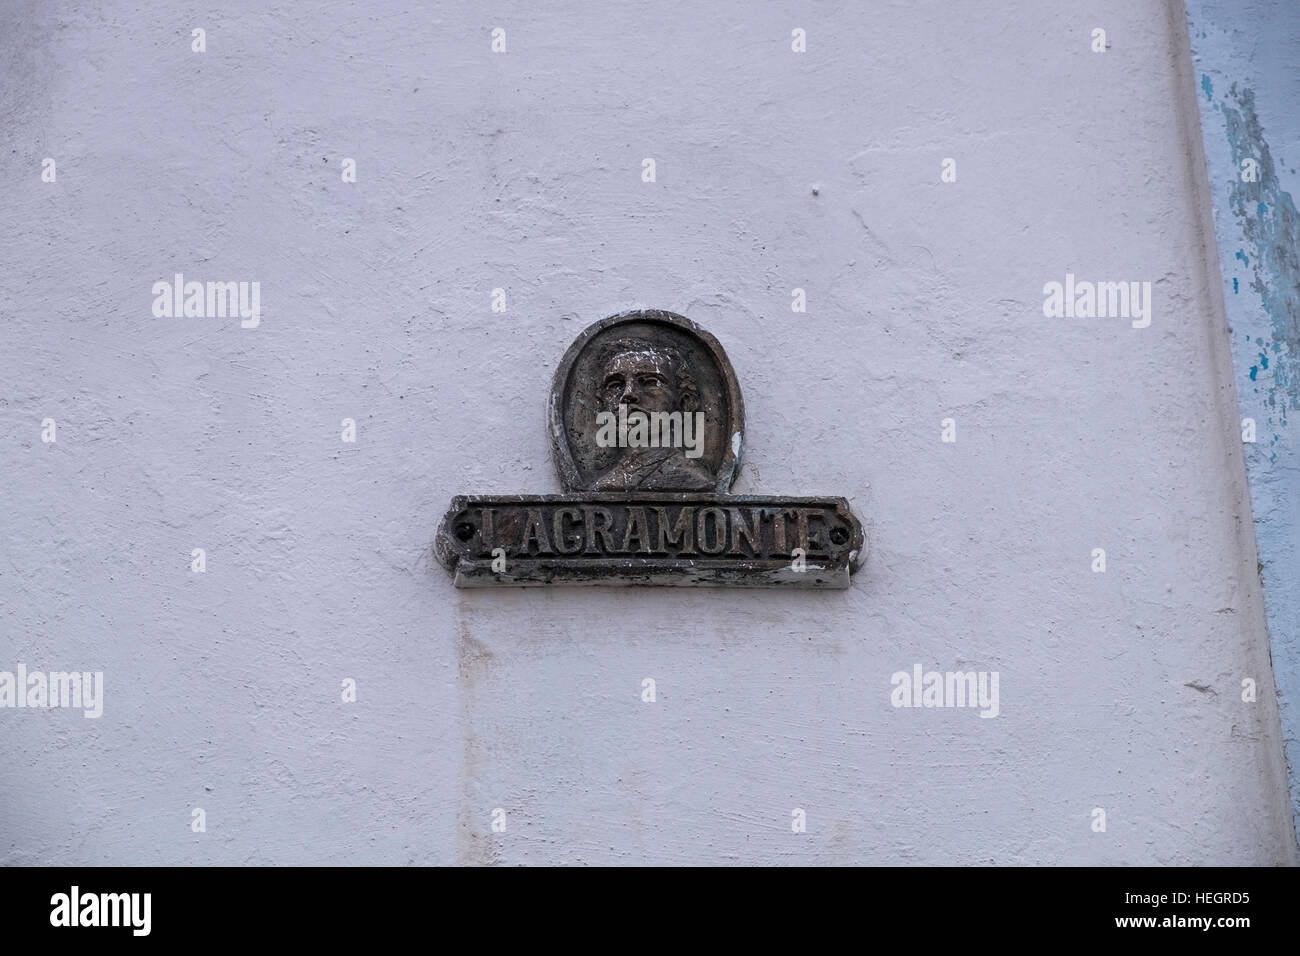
464,531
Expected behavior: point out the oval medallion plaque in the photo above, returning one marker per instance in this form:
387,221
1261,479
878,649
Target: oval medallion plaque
653,368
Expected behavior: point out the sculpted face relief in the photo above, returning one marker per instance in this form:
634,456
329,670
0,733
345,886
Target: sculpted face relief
649,400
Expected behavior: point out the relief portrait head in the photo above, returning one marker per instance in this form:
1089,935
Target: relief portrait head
646,401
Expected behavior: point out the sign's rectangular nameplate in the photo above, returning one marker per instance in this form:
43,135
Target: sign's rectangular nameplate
637,538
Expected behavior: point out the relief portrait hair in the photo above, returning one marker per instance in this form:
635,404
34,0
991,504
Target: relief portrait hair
688,391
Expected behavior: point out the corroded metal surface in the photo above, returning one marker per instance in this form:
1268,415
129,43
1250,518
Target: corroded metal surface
651,538
647,432
610,364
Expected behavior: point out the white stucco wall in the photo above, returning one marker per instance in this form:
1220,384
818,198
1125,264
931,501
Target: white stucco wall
522,171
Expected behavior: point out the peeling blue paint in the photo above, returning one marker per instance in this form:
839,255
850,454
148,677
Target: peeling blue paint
1273,233
1247,51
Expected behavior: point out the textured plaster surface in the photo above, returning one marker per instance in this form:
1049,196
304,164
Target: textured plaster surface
522,171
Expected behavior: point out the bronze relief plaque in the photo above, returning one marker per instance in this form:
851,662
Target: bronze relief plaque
652,362
647,426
